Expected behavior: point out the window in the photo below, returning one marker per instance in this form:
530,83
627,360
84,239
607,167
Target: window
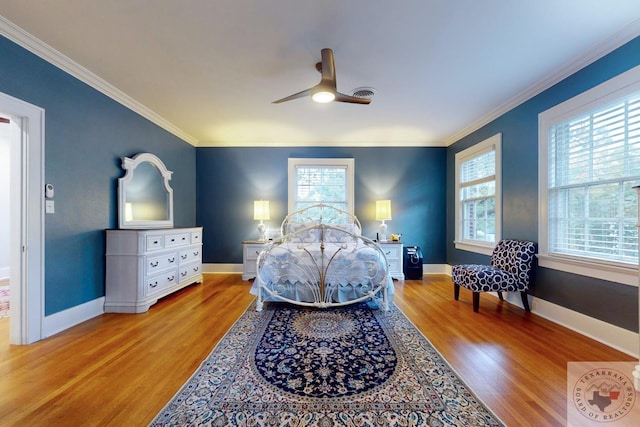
589,164
329,181
478,196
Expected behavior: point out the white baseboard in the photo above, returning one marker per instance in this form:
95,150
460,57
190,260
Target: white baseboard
222,268
436,269
606,333
614,336
65,319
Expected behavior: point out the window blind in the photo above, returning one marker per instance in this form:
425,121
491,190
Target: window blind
594,161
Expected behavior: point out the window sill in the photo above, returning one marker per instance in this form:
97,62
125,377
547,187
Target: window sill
618,273
474,247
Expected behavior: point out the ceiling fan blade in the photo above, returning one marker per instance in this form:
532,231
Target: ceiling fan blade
302,94
328,69
341,97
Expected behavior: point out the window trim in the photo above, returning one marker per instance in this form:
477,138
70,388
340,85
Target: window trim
477,246
605,93
347,163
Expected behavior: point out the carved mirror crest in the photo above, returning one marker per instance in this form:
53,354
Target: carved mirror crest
145,198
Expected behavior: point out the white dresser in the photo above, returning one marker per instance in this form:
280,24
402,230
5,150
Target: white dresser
393,251
144,265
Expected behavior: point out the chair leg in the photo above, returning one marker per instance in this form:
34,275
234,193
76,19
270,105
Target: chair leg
456,291
500,295
476,301
525,301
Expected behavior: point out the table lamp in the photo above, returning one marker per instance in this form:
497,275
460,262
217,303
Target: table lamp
261,213
383,213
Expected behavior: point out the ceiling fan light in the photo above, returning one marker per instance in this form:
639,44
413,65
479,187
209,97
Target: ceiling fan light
323,96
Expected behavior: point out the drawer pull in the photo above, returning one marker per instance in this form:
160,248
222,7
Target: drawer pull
155,242
171,279
183,256
171,259
196,269
184,238
257,252
184,273
154,284
155,264
196,253
388,253
173,240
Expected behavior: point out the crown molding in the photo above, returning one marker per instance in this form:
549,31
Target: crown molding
36,46
623,36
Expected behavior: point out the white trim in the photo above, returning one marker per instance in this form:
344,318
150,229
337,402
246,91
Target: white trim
4,273
436,269
222,268
492,143
27,222
615,88
619,39
73,316
347,163
614,336
36,46
612,273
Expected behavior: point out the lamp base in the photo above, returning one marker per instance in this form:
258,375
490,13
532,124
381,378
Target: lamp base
262,229
383,232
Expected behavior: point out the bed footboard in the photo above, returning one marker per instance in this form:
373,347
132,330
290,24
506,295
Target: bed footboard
322,265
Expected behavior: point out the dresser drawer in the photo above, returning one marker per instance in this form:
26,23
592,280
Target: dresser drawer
179,239
190,254
196,236
161,281
189,271
155,242
161,262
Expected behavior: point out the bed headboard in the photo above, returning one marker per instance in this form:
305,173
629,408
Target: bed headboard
319,214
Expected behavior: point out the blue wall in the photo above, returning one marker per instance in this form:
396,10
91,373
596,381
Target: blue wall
86,133
611,302
230,179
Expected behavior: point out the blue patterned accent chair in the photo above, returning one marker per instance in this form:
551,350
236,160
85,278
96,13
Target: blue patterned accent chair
510,271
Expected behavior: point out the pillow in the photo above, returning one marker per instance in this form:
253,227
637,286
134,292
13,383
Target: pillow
302,232
340,234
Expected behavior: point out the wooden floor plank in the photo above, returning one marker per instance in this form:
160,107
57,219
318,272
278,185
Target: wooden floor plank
121,369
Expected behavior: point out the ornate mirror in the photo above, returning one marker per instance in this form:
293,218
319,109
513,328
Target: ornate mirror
145,198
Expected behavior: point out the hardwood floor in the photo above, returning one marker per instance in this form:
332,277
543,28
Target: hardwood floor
120,369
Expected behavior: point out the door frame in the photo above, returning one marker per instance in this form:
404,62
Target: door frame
27,222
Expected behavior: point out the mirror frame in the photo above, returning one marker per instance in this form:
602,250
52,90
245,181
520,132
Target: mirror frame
130,165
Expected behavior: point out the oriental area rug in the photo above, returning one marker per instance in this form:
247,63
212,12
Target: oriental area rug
344,366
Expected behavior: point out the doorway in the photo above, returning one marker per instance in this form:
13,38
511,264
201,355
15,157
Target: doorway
26,218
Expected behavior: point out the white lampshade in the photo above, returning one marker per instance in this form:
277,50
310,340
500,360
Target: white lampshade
383,210
261,210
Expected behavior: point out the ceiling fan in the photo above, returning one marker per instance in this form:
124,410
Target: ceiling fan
326,91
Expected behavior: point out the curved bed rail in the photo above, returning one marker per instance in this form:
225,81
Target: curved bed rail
322,265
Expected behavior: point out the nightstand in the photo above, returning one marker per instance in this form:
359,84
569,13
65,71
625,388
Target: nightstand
250,251
393,251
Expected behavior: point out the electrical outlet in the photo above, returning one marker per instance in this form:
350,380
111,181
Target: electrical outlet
49,206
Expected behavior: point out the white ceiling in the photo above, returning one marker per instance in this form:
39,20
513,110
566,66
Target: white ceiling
208,70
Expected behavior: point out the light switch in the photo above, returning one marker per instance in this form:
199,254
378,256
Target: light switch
49,206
